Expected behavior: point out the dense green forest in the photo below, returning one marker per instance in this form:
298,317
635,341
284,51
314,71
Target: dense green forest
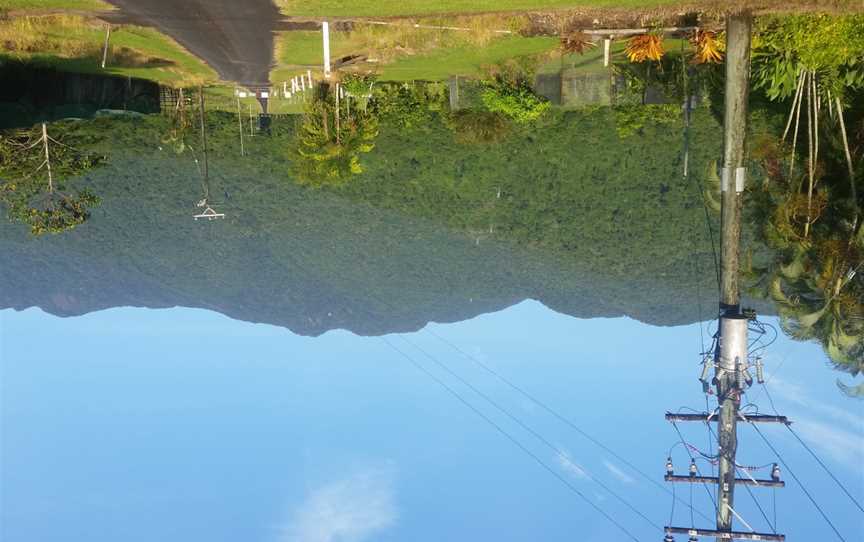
587,222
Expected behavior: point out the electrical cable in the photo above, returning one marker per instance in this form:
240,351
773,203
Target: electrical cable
803,488
558,452
759,506
672,513
825,467
713,501
560,417
816,457
509,437
750,492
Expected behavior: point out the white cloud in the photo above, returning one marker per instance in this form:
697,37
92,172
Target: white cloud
832,431
348,510
565,460
796,394
618,473
842,446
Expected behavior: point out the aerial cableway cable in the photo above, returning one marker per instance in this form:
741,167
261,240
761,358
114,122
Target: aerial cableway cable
800,484
560,417
558,452
511,438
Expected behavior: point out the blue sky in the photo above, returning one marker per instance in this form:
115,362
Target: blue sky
181,424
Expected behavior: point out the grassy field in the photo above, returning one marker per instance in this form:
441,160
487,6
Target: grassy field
403,54
465,60
74,43
82,5
395,8
384,8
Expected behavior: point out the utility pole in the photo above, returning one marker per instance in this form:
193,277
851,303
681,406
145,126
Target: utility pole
732,350
209,213
730,357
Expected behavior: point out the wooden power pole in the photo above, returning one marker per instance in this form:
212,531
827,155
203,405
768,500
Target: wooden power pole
732,346
730,358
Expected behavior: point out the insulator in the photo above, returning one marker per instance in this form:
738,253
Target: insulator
775,472
706,366
739,377
670,469
668,538
760,371
693,539
693,468
748,378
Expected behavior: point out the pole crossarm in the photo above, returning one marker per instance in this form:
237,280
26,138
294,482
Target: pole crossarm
704,417
725,535
713,480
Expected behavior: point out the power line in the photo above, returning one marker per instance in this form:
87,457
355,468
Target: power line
560,417
537,435
693,460
758,505
812,453
509,437
701,191
831,474
752,496
809,496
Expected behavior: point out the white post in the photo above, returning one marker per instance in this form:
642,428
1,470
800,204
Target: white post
47,158
105,48
302,83
606,44
285,88
325,30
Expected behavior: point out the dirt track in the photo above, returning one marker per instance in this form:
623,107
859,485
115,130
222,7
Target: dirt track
234,37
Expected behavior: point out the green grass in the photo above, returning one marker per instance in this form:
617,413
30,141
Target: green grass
71,43
185,65
384,8
466,60
297,50
82,5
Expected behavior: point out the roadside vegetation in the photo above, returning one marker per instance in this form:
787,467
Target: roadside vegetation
75,43
395,8
813,197
77,5
400,52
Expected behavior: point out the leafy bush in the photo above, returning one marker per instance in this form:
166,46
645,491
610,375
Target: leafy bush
831,46
513,97
327,145
631,119
478,127
410,105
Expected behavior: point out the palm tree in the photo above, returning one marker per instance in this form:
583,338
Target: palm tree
818,300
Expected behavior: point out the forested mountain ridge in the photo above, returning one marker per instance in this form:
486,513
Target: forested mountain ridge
587,222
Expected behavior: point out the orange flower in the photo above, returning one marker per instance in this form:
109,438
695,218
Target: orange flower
708,49
645,47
